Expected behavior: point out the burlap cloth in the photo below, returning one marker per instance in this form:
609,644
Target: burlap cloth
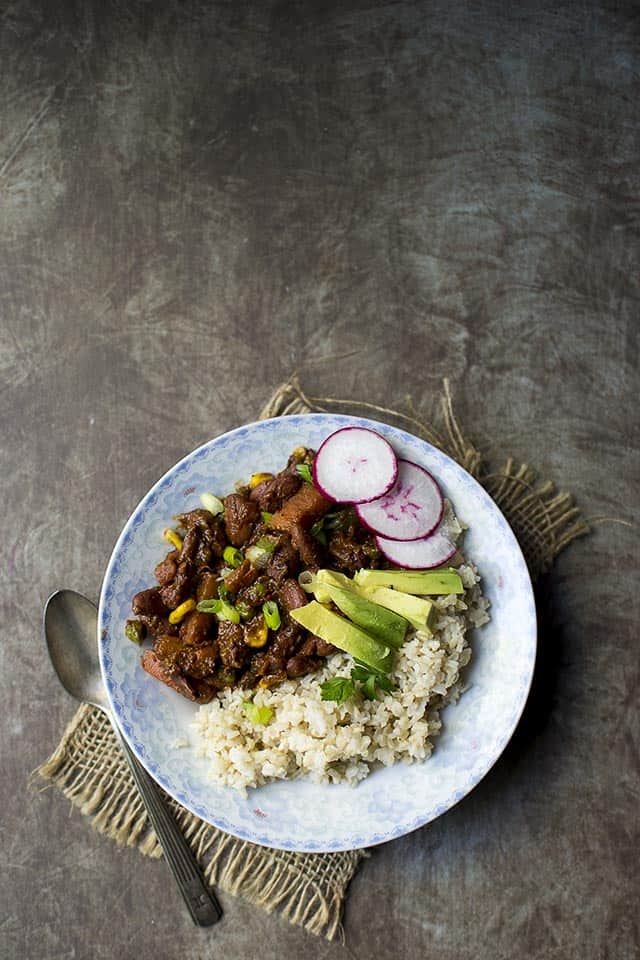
305,889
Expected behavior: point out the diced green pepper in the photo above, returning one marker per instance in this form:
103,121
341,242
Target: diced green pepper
135,631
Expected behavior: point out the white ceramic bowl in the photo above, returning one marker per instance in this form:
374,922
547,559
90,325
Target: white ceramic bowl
299,815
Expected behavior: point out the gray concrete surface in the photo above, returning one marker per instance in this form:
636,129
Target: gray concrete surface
198,197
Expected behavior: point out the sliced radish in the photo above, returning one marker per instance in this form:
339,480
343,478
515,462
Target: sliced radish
411,510
354,465
431,551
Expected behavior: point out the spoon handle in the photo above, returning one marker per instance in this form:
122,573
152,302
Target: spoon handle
203,906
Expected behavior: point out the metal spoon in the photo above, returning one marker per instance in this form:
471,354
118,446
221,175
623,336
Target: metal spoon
71,632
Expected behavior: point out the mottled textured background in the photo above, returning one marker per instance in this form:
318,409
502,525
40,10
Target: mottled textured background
197,198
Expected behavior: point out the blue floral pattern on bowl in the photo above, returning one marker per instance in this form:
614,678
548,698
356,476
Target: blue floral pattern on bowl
299,815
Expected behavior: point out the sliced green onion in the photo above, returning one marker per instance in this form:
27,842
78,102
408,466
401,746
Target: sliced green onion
211,503
259,589
271,614
255,714
310,583
223,592
228,612
222,609
260,553
232,556
266,516
257,556
244,609
304,471
307,581
266,543
209,606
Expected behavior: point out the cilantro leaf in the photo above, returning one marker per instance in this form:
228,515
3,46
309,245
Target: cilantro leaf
333,520
369,687
385,683
317,531
369,669
337,688
360,673
304,470
259,716
371,680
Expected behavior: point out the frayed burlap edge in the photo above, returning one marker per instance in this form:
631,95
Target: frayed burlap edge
305,889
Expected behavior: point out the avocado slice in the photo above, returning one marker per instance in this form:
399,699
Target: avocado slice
346,636
416,610
335,579
380,621
325,579
419,582
320,583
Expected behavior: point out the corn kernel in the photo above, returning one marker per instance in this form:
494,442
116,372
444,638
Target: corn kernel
257,634
177,615
257,478
172,537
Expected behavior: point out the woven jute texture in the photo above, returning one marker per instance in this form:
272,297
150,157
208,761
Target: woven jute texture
305,889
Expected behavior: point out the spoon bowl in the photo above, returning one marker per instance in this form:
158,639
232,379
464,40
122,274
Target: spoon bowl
71,631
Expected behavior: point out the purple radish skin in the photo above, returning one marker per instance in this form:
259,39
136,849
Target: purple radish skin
355,465
411,510
423,554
